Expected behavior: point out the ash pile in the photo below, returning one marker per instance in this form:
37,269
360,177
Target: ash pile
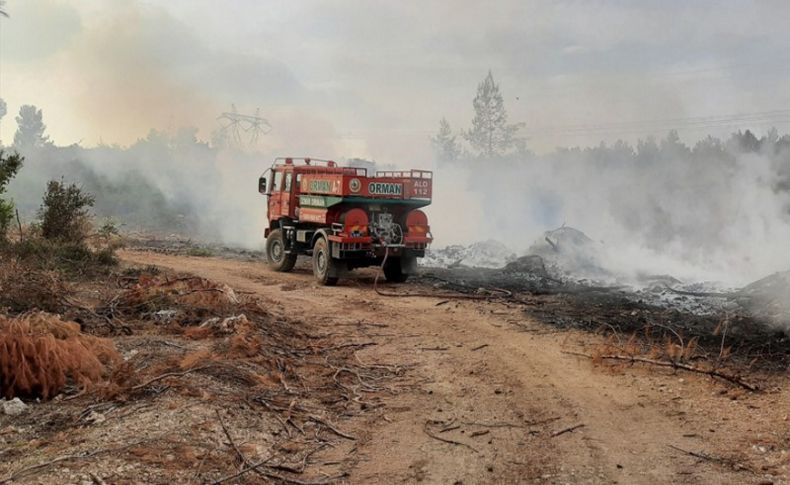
564,279
561,258
483,254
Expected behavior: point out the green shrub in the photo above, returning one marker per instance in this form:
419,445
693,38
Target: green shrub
69,257
200,252
9,166
64,213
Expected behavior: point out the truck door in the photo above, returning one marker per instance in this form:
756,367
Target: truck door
286,194
275,198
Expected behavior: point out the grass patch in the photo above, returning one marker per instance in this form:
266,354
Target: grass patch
200,252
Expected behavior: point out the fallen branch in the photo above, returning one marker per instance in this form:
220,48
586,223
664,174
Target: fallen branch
244,470
230,439
542,421
715,459
567,430
331,427
444,440
169,374
695,454
343,346
676,365
41,466
295,481
125,328
493,425
480,347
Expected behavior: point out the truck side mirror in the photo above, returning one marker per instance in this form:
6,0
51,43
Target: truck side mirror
262,185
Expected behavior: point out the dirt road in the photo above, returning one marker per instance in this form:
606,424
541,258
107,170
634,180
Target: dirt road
497,398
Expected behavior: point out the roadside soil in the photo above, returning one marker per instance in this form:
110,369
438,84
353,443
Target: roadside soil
494,396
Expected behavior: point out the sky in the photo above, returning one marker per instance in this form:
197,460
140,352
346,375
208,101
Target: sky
372,78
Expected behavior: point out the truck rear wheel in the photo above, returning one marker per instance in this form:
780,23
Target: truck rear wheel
324,267
278,259
393,271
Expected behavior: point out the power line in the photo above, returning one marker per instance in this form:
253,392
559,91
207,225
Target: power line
778,116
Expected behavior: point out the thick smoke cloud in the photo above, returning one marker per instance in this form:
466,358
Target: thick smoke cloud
359,79
715,210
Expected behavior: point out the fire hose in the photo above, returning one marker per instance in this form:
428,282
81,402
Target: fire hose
495,292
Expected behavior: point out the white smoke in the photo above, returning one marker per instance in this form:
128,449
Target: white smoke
711,214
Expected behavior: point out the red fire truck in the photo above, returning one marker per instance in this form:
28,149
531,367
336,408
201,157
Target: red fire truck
345,218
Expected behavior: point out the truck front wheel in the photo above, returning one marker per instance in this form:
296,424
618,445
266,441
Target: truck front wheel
278,259
324,267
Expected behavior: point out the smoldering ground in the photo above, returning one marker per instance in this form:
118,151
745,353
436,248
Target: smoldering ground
708,210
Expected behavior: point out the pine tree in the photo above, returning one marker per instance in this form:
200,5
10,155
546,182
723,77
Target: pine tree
491,135
31,127
9,166
445,144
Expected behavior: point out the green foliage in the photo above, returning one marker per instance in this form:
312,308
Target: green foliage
6,217
64,213
108,229
200,252
491,135
30,128
9,166
69,257
445,144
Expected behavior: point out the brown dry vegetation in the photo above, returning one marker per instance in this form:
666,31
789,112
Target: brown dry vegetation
39,352
247,376
23,288
193,350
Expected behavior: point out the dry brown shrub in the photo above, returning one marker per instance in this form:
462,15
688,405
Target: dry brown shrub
245,344
156,292
198,333
23,288
194,359
123,377
39,352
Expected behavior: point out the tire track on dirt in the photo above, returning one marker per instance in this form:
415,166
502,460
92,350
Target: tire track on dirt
502,401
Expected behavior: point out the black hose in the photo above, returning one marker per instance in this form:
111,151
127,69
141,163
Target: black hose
456,296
